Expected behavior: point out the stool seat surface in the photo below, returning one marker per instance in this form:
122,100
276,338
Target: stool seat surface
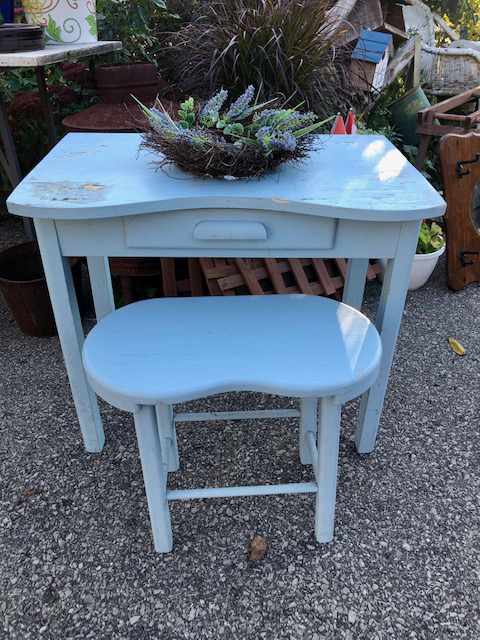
176,349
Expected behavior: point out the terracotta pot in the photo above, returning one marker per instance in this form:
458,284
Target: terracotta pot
132,270
117,83
113,118
135,267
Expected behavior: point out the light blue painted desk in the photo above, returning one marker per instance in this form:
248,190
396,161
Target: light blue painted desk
95,195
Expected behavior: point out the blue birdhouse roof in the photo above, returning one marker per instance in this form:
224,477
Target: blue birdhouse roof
371,46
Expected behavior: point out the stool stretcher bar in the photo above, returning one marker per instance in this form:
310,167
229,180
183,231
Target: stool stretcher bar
232,492
236,415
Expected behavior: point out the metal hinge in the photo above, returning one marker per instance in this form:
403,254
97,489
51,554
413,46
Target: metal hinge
467,263
460,168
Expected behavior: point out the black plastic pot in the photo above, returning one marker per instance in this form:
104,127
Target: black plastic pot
24,288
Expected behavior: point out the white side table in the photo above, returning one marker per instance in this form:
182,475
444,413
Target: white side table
38,60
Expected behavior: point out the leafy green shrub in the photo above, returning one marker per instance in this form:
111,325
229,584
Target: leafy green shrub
19,90
136,24
431,238
464,15
281,46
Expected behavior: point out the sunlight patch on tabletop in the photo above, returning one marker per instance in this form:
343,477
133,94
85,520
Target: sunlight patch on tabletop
374,149
390,166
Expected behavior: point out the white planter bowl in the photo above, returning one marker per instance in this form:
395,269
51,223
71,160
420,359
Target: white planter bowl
65,21
422,267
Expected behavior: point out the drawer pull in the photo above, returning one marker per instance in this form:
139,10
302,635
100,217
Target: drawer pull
229,230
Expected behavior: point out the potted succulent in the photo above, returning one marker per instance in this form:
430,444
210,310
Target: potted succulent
431,245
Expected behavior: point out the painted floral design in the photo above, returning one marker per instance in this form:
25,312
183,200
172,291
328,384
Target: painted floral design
64,21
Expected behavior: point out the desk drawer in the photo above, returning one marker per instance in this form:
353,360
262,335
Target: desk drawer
229,229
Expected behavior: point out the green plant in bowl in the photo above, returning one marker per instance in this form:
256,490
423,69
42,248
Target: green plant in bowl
431,238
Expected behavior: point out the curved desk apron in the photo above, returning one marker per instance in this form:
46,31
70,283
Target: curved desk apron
96,195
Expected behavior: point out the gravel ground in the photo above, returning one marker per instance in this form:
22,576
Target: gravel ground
76,558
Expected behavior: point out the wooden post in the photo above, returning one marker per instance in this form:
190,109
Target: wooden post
417,61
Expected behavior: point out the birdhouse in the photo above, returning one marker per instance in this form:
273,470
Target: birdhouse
366,14
370,60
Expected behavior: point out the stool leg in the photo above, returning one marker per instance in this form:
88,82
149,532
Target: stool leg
308,422
168,435
327,466
154,476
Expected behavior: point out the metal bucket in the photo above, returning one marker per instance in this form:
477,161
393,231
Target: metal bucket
404,114
25,290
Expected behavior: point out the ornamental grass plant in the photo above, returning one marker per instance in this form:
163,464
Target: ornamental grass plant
283,47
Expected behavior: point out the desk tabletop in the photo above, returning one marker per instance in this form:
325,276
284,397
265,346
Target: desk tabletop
54,53
102,175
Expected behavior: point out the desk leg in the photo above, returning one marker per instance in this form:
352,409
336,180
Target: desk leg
70,332
389,317
101,283
355,282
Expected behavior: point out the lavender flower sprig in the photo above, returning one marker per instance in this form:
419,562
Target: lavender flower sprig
284,119
270,139
240,109
210,113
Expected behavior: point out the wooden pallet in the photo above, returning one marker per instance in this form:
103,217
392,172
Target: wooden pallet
233,276
182,277
167,277
236,276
